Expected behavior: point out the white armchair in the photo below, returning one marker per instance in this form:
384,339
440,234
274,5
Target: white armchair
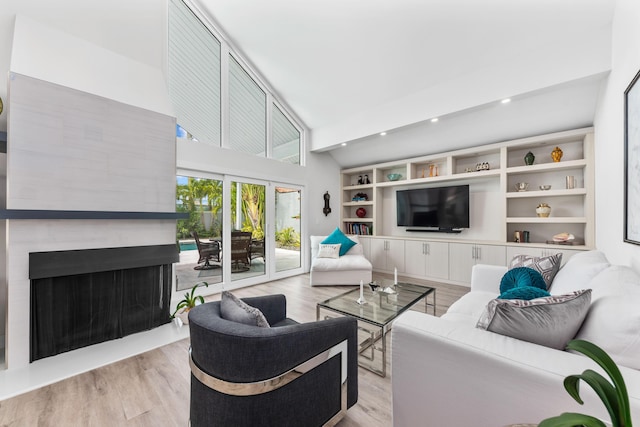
348,269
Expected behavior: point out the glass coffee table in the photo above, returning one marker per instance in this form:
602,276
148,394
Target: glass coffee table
380,310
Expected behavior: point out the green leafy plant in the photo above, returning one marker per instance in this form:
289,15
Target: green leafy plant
190,299
612,393
288,237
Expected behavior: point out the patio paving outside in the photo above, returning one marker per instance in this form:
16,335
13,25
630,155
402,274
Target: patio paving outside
286,259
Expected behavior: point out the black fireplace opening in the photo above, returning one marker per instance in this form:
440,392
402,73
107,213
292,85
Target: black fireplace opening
72,311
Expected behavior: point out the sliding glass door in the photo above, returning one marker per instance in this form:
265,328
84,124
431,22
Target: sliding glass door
287,228
247,224
199,238
239,230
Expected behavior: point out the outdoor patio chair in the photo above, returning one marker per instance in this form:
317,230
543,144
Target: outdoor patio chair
257,249
207,251
240,250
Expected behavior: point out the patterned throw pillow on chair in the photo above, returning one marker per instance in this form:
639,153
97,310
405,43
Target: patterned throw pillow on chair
329,251
547,266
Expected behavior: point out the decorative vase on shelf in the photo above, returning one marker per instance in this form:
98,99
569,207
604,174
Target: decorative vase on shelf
543,210
556,154
529,158
361,212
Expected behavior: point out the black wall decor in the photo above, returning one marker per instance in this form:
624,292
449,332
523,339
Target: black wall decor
327,209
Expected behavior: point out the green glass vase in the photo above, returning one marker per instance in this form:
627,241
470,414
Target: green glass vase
529,158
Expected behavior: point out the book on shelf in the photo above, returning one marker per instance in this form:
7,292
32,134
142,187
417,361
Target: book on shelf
358,228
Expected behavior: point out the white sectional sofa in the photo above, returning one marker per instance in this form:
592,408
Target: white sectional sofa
448,372
348,269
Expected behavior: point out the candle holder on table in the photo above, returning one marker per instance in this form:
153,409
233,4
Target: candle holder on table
361,300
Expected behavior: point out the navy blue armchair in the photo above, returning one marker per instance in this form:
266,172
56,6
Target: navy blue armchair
292,374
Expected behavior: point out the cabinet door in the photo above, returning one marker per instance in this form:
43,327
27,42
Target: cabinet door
366,246
415,257
378,254
489,254
395,255
461,259
437,260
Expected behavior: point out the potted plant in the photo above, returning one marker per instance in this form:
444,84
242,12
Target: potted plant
612,393
190,300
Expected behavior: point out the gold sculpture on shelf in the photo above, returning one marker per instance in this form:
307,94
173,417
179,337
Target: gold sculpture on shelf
556,154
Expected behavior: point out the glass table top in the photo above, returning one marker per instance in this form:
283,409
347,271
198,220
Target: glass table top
381,307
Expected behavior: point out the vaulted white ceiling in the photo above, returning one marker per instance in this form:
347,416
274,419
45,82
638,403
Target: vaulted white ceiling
352,68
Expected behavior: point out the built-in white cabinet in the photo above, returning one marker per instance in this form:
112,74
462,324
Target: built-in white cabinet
387,254
366,246
447,261
358,201
565,183
506,187
427,259
463,256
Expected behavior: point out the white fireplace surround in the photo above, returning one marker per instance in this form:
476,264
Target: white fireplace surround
69,150
88,130
26,236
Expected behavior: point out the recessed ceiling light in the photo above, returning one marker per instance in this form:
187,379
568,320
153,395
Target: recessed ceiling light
435,119
344,144
383,133
506,100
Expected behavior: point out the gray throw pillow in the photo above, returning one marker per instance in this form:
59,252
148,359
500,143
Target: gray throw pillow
234,309
547,266
550,321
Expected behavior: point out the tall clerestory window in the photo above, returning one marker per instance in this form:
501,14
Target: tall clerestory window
285,138
235,111
194,75
247,112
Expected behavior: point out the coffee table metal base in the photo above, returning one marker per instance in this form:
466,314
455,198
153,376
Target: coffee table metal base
376,337
368,348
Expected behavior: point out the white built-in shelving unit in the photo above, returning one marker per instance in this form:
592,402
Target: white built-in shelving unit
572,209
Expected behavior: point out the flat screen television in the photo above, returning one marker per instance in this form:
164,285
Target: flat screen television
445,209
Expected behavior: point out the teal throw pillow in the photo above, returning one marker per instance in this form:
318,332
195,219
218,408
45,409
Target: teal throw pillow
339,237
522,276
524,292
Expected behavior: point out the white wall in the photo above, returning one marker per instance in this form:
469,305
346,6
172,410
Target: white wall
323,174
52,55
134,29
609,136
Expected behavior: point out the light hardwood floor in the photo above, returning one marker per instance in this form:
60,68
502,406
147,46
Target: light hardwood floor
152,389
